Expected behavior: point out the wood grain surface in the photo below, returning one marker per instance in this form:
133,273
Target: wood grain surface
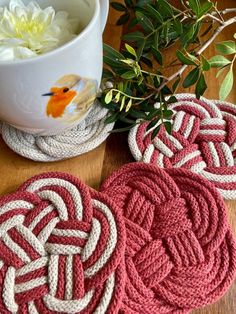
93,167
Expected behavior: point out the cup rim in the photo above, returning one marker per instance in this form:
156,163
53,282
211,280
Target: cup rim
68,45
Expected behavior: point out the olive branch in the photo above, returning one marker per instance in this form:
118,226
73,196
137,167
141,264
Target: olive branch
134,78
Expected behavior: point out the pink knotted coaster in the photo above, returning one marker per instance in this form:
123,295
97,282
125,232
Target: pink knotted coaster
203,140
61,249
180,252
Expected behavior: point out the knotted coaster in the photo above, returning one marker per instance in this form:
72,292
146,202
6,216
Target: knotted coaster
180,252
61,249
203,140
90,133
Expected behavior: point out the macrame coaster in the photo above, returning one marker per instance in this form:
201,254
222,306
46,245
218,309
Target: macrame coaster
89,134
180,252
61,249
203,140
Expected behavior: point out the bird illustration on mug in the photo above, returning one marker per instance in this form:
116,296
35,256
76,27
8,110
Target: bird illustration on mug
71,97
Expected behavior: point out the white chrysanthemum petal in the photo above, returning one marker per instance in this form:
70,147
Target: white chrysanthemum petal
6,53
23,53
33,5
27,31
15,3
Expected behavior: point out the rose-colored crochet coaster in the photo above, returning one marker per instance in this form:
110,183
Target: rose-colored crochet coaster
61,249
203,140
180,252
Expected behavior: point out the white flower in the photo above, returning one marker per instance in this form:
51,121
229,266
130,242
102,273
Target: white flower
28,31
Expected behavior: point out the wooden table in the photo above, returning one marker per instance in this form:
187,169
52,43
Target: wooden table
95,166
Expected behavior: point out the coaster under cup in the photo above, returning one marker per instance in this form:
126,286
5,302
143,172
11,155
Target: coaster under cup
89,134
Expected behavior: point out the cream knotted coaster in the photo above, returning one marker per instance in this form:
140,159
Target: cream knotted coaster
86,136
203,140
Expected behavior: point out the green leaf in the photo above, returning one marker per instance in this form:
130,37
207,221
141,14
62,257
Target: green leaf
191,78
134,37
128,75
123,19
129,105
152,114
168,127
226,47
171,100
146,61
156,40
131,50
205,64
167,113
123,129
189,34
129,3
220,72
153,123
112,53
118,6
176,84
122,103
165,8
107,74
142,3
108,97
120,86
157,55
145,106
154,13
219,61
111,62
141,46
112,118
184,59
205,8
194,6
144,21
201,86
156,131
227,84
132,23
111,106
137,114
178,27
117,98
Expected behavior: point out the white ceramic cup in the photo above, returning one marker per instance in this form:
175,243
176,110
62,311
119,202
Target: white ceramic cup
51,93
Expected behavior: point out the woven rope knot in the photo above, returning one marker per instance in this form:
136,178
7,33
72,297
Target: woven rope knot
203,140
171,219
177,237
68,237
61,248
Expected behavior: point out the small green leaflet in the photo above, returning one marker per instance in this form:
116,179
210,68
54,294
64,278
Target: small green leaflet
131,50
201,86
191,78
184,59
108,97
226,47
118,6
227,84
219,61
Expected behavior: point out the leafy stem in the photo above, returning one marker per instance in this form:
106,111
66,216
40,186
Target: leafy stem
135,78
199,52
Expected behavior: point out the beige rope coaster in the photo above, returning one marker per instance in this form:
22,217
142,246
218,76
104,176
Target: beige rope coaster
86,136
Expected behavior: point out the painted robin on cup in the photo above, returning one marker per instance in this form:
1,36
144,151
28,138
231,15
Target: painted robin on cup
71,97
